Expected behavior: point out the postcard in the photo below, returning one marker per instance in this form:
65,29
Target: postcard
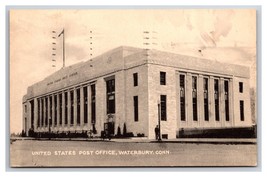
133,87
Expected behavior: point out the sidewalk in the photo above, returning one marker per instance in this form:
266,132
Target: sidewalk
145,140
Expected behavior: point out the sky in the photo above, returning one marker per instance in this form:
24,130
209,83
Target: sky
226,35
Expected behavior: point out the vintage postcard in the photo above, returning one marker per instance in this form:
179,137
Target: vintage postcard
132,87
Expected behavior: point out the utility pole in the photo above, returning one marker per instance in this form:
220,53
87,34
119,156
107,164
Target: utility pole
159,119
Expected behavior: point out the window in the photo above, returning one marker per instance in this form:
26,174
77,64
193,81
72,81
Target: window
240,87
66,107
135,99
55,106
38,112
206,99
93,103
226,94
85,105
162,78
46,111
182,97
194,96
216,97
71,107
135,79
42,112
110,96
60,109
32,113
25,108
242,118
163,107
78,106
50,101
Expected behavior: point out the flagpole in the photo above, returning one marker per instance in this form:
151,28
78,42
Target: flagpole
63,33
63,48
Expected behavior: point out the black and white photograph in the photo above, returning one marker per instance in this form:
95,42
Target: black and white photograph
133,87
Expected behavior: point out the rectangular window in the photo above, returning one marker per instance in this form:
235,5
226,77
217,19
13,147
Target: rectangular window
206,99
55,116
46,111
242,117
93,103
194,96
216,97
42,112
135,99
50,101
135,79
66,107
110,96
78,106
182,97
60,109
38,112
71,107
241,87
226,94
163,107
32,114
162,78
85,105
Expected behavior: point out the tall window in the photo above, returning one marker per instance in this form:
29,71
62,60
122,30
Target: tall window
162,78
55,101
42,112
226,98
110,96
163,107
93,103
206,99
182,97
135,79
66,107
32,114
71,107
38,117
85,105
135,99
242,117
216,97
78,106
241,87
194,95
50,101
46,111
60,109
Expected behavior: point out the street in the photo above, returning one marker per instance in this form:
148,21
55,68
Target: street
40,153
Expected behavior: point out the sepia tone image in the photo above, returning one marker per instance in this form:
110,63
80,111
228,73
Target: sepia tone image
132,87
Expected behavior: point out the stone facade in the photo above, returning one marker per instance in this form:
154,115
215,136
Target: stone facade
58,102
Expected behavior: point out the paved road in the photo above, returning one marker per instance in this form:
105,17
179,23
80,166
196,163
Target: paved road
28,153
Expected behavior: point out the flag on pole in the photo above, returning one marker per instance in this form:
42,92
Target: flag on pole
62,32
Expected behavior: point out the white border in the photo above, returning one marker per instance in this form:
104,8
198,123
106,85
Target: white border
185,171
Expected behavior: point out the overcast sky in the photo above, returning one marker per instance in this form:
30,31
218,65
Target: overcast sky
222,35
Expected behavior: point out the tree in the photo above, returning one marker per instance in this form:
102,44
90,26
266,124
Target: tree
124,130
119,131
